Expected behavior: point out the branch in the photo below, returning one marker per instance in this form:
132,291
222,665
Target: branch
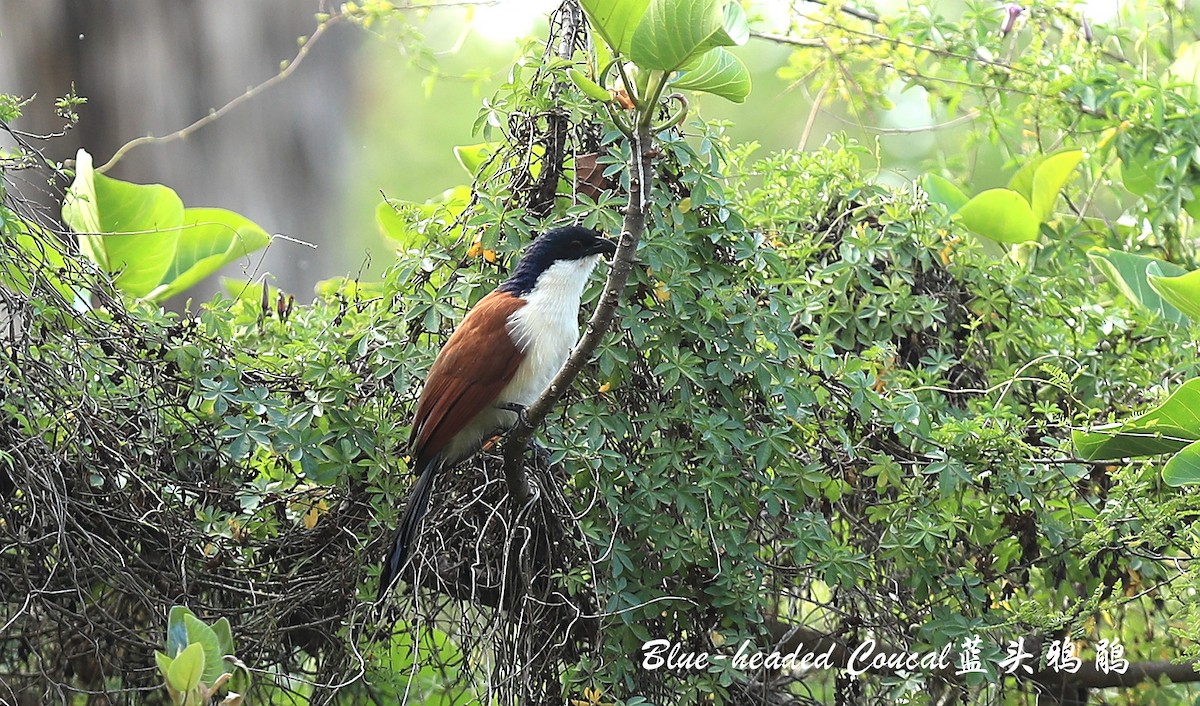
184,133
634,225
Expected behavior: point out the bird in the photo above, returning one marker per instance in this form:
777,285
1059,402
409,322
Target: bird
499,360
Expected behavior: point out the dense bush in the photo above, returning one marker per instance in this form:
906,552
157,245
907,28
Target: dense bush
825,405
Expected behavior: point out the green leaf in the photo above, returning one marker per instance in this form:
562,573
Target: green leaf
1181,291
200,634
177,637
163,662
1185,71
1136,176
720,73
615,20
943,191
329,289
673,32
129,230
1049,179
224,636
1184,467
187,669
1167,428
44,258
413,224
1130,273
1000,214
1042,178
590,88
209,239
473,158
1022,181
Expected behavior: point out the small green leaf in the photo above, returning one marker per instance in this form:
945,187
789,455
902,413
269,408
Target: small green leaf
187,669
720,73
1049,179
1181,291
590,88
163,662
1130,274
1000,214
473,158
209,239
615,20
1167,428
943,191
1184,467
413,224
329,289
1185,71
1136,176
673,32
1022,181
224,636
177,637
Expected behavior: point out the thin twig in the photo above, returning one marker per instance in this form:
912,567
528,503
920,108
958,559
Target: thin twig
184,133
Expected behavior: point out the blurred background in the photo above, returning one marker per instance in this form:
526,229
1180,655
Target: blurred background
368,112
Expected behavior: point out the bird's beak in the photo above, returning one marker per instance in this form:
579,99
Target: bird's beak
604,246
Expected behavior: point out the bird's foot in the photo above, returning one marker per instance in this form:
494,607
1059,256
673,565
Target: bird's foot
541,452
518,408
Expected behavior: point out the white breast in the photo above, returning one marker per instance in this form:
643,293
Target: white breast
547,327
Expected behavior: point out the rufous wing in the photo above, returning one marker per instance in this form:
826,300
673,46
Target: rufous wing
474,366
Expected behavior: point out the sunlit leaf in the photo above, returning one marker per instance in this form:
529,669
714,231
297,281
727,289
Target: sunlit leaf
130,230
1000,214
615,20
209,239
673,32
718,72
1048,181
187,668
1181,291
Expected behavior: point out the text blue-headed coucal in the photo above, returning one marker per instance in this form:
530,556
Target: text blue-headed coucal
500,359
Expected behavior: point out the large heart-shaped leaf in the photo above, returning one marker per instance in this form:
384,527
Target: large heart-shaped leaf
209,239
673,32
720,73
1181,291
615,20
1000,214
1167,428
130,230
1130,273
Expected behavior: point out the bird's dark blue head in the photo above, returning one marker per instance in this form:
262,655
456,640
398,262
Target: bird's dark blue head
567,243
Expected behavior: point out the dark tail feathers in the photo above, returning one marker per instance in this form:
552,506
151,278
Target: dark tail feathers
418,503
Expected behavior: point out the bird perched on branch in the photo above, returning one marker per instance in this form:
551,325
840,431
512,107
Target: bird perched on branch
498,361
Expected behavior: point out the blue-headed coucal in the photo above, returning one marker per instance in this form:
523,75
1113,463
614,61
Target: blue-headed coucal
499,360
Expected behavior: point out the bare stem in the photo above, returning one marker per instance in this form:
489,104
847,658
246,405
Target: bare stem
184,133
